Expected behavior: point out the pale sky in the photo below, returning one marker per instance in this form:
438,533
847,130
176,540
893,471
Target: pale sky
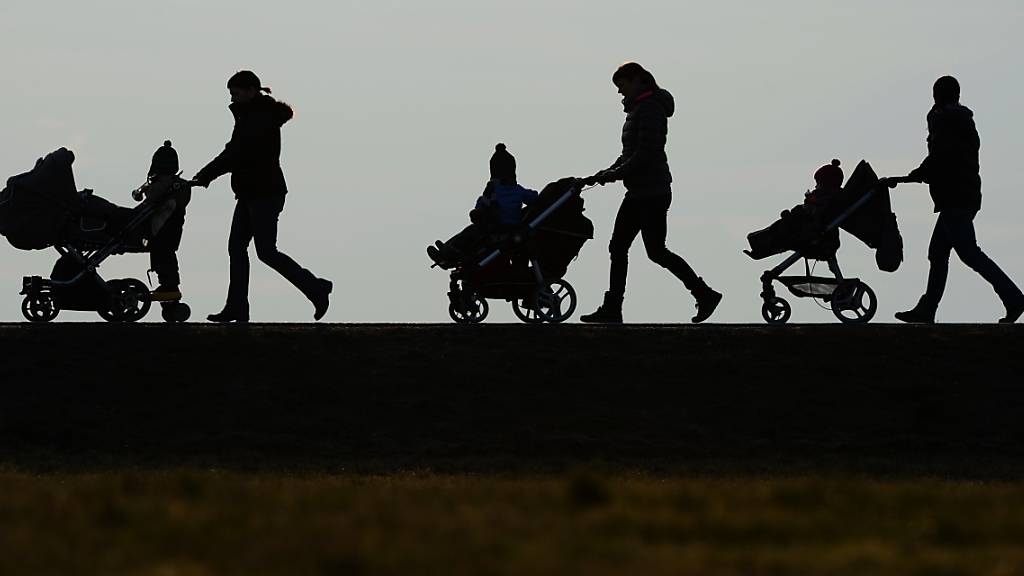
399,104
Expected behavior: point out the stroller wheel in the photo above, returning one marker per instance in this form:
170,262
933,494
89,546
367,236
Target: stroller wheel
39,308
554,303
473,310
129,301
175,312
854,302
776,311
526,312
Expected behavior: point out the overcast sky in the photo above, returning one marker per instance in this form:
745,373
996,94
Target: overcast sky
400,102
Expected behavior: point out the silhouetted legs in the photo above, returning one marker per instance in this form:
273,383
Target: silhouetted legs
163,250
954,231
647,216
255,220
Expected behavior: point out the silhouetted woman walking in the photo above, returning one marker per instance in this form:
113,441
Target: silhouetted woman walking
643,168
253,157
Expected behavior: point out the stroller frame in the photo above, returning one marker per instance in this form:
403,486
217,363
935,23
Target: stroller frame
852,301
120,300
533,302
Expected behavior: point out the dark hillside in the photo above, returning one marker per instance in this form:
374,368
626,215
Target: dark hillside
879,400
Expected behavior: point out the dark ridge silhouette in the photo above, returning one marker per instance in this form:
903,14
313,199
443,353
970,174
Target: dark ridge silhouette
876,400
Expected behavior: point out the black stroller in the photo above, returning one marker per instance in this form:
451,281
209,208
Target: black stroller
526,266
43,208
863,209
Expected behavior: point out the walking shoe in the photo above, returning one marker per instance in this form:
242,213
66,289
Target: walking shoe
706,305
227,317
1013,313
610,312
165,294
322,301
915,316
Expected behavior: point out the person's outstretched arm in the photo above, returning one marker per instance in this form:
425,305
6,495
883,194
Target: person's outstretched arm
219,166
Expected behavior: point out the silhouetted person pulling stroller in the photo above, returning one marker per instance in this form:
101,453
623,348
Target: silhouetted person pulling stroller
952,172
643,168
253,157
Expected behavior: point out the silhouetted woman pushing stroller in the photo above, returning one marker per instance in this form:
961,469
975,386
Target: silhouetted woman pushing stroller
253,157
643,168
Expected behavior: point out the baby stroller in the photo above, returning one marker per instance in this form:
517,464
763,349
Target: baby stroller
863,209
526,266
43,208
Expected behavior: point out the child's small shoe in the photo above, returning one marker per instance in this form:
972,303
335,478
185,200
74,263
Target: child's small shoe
439,258
165,294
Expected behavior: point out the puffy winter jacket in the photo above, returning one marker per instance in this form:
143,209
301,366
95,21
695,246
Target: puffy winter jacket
952,169
504,202
253,156
643,165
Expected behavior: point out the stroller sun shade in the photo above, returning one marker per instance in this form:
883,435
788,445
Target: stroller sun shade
874,223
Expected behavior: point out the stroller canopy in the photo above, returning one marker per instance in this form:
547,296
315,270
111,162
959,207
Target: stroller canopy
874,223
36,206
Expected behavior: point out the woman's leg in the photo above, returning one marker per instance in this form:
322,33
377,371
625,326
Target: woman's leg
654,227
238,257
627,226
628,222
263,217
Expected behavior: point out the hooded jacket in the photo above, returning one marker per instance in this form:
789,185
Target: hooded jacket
253,156
952,169
643,164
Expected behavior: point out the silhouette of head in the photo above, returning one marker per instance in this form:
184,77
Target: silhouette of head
829,176
632,80
503,165
245,86
946,91
165,161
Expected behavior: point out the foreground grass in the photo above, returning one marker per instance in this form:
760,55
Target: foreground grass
191,523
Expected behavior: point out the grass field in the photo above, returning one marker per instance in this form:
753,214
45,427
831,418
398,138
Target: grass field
213,523
510,450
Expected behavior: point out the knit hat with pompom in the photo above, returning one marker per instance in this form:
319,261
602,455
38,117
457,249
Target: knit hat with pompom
829,175
503,164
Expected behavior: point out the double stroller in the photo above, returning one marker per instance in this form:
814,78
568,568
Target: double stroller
526,266
43,208
863,209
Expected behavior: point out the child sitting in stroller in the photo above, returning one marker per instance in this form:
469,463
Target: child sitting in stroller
499,209
801,227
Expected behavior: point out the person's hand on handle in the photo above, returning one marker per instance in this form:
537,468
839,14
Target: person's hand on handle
893,181
599,178
197,181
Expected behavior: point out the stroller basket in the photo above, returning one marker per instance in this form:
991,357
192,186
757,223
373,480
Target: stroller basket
810,286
